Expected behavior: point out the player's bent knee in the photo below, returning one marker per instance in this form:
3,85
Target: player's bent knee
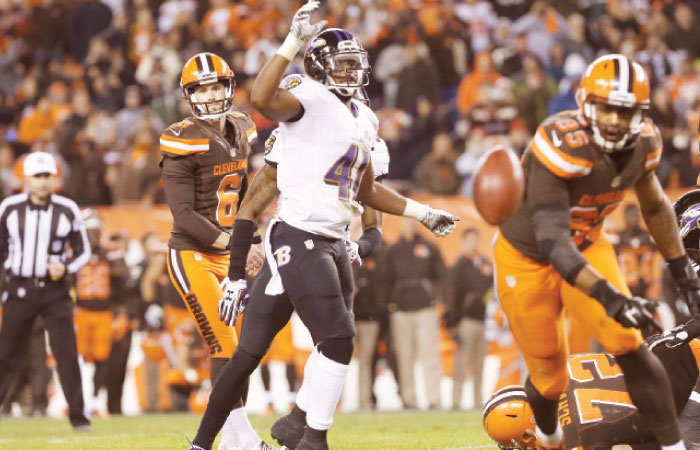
550,385
338,349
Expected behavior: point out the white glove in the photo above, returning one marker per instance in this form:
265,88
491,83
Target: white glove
353,249
439,222
436,220
301,23
301,30
234,299
154,316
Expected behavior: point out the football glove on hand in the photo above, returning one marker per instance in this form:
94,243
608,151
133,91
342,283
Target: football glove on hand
233,300
677,336
634,312
353,249
301,28
440,222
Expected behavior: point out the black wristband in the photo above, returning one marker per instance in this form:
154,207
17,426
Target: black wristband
683,273
604,292
241,240
369,242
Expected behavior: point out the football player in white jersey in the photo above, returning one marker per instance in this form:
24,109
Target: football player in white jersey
323,175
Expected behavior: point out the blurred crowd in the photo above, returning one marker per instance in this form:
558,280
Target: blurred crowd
95,81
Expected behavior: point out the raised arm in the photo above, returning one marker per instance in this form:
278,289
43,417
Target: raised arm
274,103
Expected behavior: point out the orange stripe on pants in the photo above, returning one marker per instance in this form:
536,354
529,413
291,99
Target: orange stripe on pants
204,272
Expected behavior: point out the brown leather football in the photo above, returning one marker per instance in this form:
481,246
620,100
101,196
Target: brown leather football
499,184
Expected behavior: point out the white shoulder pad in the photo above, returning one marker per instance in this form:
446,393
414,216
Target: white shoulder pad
273,148
380,158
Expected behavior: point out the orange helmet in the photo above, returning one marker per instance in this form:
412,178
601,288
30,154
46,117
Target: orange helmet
207,68
617,81
508,419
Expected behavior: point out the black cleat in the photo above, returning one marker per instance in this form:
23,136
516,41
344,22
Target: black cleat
313,440
289,429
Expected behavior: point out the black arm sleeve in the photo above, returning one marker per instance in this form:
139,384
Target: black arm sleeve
241,240
178,183
548,199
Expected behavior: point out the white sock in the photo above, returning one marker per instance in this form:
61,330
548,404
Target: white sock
551,440
305,394
237,432
327,384
677,446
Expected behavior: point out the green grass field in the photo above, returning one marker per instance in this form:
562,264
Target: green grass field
370,431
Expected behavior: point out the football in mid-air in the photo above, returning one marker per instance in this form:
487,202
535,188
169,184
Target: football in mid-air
499,184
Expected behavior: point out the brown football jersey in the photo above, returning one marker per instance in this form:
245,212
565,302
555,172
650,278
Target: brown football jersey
596,410
595,182
204,176
93,283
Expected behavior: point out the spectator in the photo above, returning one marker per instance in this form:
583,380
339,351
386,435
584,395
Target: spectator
88,18
566,100
533,88
138,179
412,274
368,307
470,289
483,74
685,35
436,171
417,78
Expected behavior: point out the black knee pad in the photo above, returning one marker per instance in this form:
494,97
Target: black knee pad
338,349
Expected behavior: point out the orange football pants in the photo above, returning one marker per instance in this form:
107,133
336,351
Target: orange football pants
281,348
197,276
93,334
533,296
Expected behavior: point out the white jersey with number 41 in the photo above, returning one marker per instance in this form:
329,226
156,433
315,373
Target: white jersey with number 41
326,153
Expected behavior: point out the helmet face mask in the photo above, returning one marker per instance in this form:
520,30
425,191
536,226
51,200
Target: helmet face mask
613,96
215,108
205,69
336,59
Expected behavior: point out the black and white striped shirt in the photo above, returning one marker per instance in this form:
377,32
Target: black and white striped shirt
31,234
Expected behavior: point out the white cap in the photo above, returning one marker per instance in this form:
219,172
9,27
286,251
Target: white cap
39,162
574,65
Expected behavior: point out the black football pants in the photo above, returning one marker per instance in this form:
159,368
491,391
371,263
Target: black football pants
25,300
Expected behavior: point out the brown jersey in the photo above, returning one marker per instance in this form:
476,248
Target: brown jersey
596,410
93,283
563,158
204,176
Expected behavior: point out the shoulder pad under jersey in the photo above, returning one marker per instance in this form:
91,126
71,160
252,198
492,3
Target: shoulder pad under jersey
561,143
245,122
184,138
380,158
651,143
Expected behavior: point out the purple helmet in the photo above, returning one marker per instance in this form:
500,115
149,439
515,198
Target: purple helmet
687,209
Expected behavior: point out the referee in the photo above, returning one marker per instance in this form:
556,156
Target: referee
42,239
